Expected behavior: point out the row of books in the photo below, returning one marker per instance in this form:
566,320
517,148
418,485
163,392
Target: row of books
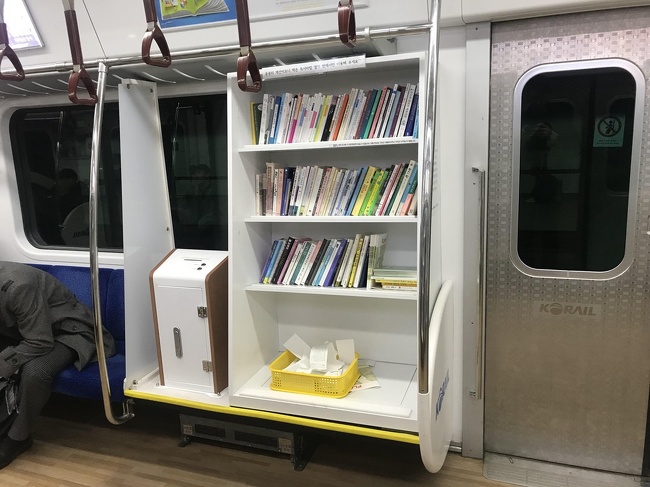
371,114
332,191
335,262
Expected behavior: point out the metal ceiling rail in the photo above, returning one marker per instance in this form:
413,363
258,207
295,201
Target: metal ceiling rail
366,36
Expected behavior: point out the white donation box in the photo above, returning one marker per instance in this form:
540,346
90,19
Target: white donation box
189,294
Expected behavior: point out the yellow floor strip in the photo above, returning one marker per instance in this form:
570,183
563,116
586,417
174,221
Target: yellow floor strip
282,418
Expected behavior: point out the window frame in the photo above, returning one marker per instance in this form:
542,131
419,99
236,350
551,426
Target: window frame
635,164
31,241
20,162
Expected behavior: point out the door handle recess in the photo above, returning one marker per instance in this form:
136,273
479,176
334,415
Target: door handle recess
178,344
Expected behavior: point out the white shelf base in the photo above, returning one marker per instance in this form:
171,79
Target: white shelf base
334,291
150,386
329,144
332,219
392,406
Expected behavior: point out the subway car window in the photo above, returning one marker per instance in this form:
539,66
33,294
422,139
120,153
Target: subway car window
51,148
575,137
196,151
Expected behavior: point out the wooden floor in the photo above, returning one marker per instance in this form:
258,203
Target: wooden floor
75,446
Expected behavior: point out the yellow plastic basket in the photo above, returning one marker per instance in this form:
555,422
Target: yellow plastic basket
316,385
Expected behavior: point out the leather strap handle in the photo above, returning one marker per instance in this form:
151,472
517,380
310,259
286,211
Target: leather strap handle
78,71
154,33
8,52
73,84
347,23
246,63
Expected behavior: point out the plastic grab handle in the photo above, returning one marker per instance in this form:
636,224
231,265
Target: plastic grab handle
347,23
78,71
9,53
246,63
154,33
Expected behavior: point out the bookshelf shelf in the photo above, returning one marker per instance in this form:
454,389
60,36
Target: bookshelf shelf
338,144
393,405
382,323
335,291
333,219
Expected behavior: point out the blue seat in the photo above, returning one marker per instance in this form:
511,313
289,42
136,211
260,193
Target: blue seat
87,383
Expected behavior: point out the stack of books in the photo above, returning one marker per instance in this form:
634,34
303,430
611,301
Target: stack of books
332,191
397,278
360,114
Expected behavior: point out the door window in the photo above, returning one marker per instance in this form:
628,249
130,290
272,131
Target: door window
575,166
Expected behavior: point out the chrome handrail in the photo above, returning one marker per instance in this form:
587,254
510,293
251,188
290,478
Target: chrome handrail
426,201
94,265
480,324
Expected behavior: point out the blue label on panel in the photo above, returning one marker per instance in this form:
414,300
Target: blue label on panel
441,394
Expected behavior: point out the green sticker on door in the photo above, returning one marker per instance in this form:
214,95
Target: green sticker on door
608,131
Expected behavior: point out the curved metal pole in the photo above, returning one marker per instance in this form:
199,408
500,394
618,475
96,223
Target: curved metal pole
426,201
94,266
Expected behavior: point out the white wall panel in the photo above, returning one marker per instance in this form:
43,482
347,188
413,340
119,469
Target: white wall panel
451,154
480,10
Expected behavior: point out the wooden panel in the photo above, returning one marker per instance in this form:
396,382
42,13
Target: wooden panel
216,287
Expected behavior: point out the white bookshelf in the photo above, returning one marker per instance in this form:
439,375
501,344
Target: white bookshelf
262,317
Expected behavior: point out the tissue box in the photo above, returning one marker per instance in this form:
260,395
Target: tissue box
317,385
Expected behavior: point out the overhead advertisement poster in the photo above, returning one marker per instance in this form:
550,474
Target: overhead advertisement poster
177,13
21,30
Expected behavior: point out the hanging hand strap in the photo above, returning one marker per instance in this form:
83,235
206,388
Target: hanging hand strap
78,71
154,33
347,23
8,52
246,63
